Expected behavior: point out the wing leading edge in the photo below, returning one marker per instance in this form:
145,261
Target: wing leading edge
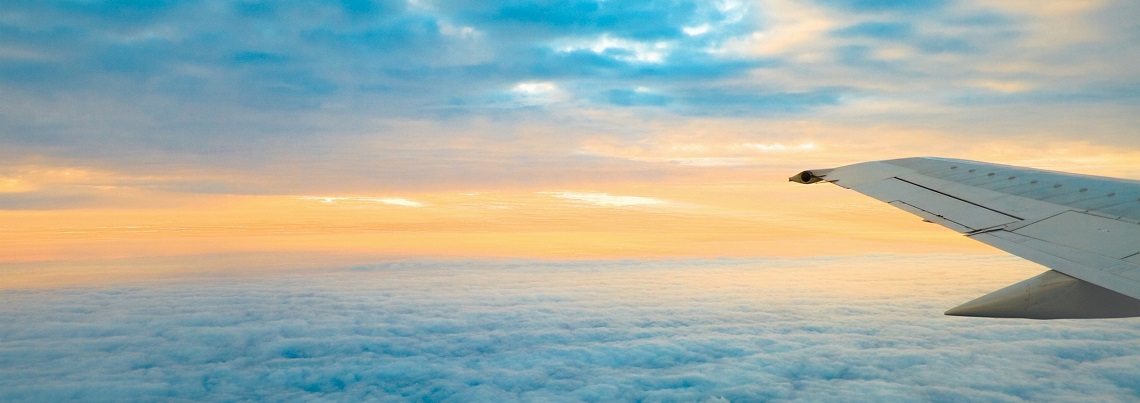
1085,228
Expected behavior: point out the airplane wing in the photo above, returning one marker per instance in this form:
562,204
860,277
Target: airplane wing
1085,228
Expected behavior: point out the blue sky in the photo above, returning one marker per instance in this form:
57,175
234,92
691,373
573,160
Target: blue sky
254,89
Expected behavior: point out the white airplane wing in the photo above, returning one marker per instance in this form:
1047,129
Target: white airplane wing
1085,228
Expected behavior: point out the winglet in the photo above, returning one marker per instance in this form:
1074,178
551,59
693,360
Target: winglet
809,176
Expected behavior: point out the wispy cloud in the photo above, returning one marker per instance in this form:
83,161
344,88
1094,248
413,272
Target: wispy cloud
722,151
607,200
392,201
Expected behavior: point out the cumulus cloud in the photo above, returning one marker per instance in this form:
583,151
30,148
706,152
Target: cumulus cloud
864,329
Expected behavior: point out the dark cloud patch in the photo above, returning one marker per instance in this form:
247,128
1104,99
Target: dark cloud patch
945,45
285,88
862,57
692,330
692,66
259,58
408,35
881,30
1094,93
259,8
898,32
763,102
625,97
48,200
983,19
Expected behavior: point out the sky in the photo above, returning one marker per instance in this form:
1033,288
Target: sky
175,174
168,128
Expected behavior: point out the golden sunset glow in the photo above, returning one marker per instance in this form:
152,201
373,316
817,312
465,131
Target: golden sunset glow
758,216
763,216
717,200
676,146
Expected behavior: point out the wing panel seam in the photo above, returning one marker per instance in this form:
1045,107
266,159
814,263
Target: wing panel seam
961,199
933,216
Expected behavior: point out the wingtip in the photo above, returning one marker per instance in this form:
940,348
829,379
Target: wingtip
809,176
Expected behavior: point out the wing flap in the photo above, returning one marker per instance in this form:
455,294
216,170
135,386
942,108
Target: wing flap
1114,274
1108,237
931,217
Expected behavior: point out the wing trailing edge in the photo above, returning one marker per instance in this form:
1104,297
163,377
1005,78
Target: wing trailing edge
1051,295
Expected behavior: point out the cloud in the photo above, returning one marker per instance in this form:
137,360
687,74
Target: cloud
707,151
624,50
884,30
256,90
636,96
392,201
692,330
607,200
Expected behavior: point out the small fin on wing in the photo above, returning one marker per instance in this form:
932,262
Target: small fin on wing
809,176
1051,295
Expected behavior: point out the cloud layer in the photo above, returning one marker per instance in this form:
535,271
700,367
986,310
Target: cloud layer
285,96
856,329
